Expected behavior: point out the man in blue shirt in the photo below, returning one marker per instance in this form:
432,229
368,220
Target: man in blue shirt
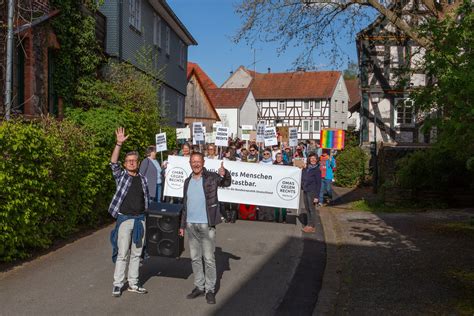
200,217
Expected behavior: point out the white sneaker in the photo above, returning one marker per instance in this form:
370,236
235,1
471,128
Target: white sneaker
137,289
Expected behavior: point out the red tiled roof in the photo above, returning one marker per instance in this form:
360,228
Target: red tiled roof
228,97
203,78
295,85
354,93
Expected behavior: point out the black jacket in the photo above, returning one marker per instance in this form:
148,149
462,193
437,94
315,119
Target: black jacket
211,181
311,179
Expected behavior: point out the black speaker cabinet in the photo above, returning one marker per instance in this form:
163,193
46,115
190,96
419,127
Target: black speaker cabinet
162,230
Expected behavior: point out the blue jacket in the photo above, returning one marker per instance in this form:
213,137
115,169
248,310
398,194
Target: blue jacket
137,233
311,179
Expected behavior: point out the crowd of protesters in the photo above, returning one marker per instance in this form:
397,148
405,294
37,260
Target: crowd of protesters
317,165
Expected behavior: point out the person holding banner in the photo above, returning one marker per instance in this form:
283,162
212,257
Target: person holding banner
128,207
151,169
328,166
311,185
266,213
185,150
199,217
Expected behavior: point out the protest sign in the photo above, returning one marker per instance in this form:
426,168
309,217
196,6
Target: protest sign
210,138
293,136
246,129
270,136
283,132
183,133
253,136
198,132
332,138
222,135
260,131
160,142
257,184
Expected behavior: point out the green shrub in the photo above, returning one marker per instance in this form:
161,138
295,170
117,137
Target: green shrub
350,169
53,181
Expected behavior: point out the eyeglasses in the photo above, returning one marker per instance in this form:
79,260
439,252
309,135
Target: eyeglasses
266,154
130,160
252,150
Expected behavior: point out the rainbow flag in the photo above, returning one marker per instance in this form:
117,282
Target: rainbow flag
332,138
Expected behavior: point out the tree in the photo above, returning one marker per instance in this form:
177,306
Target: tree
352,71
313,24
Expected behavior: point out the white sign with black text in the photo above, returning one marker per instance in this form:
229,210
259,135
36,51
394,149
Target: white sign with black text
257,184
222,136
293,137
161,142
198,132
270,136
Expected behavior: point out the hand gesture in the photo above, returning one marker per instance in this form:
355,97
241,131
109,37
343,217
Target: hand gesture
221,169
120,135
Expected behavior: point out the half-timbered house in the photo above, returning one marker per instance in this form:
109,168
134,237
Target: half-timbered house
198,103
310,101
389,63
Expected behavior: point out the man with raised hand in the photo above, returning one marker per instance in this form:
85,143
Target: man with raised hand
128,206
200,217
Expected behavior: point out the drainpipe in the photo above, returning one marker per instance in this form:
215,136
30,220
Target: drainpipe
9,61
120,30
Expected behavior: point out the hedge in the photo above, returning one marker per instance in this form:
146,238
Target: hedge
54,181
350,169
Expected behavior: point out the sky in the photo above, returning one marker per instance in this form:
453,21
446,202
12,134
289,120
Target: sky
213,22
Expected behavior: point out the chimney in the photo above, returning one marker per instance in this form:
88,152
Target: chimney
269,70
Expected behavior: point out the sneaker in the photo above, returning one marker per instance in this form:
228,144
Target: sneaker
211,298
195,293
117,291
137,289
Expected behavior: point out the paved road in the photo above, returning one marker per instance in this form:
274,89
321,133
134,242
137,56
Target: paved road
256,262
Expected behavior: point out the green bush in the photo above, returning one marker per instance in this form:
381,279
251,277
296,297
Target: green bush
350,169
53,182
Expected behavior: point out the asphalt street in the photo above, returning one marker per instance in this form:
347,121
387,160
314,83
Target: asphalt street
259,267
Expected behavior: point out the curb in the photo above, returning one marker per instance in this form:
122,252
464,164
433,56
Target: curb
326,304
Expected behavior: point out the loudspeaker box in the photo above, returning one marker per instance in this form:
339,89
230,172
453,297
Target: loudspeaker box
162,230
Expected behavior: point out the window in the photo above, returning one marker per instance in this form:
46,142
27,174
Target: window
180,114
317,105
281,106
157,31
306,106
335,105
404,111
305,124
182,54
167,39
397,55
135,14
163,101
342,107
316,125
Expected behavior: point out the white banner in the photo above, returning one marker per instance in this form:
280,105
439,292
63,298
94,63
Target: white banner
270,136
160,142
293,139
222,135
257,184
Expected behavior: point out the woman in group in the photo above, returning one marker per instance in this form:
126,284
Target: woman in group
211,152
151,169
185,150
311,184
266,213
229,210
279,161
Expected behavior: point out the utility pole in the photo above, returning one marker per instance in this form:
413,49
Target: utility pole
9,61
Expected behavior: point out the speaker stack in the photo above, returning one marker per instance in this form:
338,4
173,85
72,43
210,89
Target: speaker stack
162,230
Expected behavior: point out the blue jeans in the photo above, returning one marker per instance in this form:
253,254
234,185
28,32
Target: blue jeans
158,192
325,188
202,243
309,206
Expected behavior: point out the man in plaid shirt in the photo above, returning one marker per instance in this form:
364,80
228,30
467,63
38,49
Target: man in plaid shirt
128,206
